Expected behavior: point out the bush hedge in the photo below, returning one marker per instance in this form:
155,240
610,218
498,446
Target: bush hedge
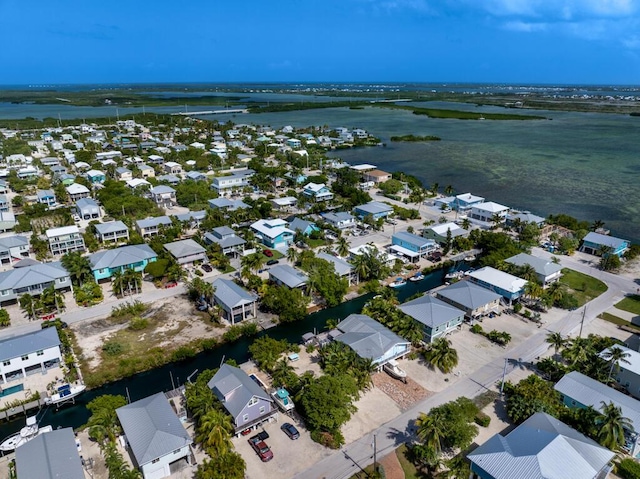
628,469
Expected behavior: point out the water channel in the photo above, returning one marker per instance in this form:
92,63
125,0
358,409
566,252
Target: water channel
160,379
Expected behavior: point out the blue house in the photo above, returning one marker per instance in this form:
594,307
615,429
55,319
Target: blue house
294,143
506,285
303,226
273,233
317,191
46,197
374,208
298,179
96,177
465,201
593,243
412,246
136,257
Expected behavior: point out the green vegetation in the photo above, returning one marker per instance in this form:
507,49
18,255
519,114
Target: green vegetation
323,279
440,355
414,138
290,304
628,468
458,114
266,351
620,322
409,469
529,396
501,338
583,287
630,304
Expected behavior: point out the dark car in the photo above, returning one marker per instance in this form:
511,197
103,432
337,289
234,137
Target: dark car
268,253
261,448
272,262
290,430
207,268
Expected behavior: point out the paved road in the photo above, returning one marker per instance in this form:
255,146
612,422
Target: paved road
358,454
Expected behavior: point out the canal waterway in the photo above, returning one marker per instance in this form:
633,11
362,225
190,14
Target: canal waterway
160,379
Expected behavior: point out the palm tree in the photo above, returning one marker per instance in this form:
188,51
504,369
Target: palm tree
615,356
458,467
292,255
361,266
466,224
597,224
253,261
214,431
555,291
611,426
441,355
448,191
28,305
78,266
528,272
343,247
430,430
556,341
434,189
578,351
533,290
50,299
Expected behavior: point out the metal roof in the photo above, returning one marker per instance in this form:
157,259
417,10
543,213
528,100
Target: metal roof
340,265
234,388
632,363
542,266
226,242
153,221
288,275
442,229
541,448
374,207
52,455
184,248
123,256
18,346
162,189
31,275
590,392
490,207
83,203
231,294
220,203
152,428
499,279
430,311
111,227
64,230
298,224
13,241
76,189
367,337
222,231
603,240
413,239
468,295
338,217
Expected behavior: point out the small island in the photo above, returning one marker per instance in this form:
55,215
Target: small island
415,138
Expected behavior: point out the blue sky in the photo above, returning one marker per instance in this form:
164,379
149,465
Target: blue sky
494,41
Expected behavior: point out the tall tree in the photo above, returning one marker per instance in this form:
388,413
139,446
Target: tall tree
78,266
430,431
556,341
616,355
440,355
611,426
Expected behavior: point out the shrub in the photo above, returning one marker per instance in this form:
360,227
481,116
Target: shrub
232,334
332,440
182,353
249,329
628,469
208,343
135,308
527,313
482,419
517,308
113,348
138,324
199,273
310,348
476,329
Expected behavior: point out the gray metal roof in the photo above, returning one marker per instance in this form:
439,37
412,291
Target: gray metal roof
52,455
123,256
367,337
288,275
184,248
542,266
234,388
84,203
155,221
226,242
603,240
374,207
111,227
430,311
590,392
337,217
192,215
152,428
231,294
298,224
468,295
18,346
340,265
169,178
13,241
415,240
162,189
42,194
220,203
541,448
32,275
222,231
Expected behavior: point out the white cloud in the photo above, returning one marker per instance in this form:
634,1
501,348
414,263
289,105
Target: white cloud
559,9
528,27
632,42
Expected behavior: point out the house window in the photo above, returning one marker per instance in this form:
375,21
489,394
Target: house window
155,460
176,451
40,353
254,400
245,418
573,403
6,363
25,358
262,409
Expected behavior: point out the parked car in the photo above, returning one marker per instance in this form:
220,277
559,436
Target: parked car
272,262
290,430
268,253
435,256
207,268
262,450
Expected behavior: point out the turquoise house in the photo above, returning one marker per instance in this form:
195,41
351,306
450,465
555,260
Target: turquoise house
96,177
303,226
593,243
136,257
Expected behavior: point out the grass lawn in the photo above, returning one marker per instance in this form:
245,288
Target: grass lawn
276,254
584,287
630,303
410,471
619,321
314,243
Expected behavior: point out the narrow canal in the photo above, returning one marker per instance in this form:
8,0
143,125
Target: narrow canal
160,379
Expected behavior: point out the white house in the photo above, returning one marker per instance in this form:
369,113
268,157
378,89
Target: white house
488,213
31,353
65,240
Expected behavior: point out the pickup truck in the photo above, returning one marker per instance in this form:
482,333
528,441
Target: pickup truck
261,448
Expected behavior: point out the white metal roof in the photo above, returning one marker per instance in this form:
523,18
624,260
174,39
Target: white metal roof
499,279
65,230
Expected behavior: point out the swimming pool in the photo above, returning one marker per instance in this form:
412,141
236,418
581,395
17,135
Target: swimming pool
11,390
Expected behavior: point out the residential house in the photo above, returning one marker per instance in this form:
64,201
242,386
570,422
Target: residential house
146,171
411,245
596,243
436,317
247,403
580,391
27,354
13,248
96,177
192,218
164,196
65,240
170,179
151,226
371,340
488,214
506,285
156,159
186,251
112,231
439,233
284,203
52,455
50,161
157,439
297,178
547,271
474,300
7,221
236,303
33,279
138,183
524,218
76,191
341,267
4,203
136,257
465,201
28,172
318,192
87,209
171,167
283,274
273,233
226,204
376,176
341,220
294,143
224,185
47,198
195,176
627,371
303,227
4,188
541,447
66,179
226,238
123,174
374,209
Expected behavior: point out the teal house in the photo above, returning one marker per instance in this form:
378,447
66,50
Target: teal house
96,177
303,226
105,263
596,243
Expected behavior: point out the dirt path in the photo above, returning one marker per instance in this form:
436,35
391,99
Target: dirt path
392,467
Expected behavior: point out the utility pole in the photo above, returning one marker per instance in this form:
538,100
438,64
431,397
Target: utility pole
504,373
375,457
584,312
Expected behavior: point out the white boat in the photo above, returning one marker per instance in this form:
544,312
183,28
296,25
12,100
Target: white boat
283,399
469,259
453,275
394,370
398,282
65,393
28,432
417,277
